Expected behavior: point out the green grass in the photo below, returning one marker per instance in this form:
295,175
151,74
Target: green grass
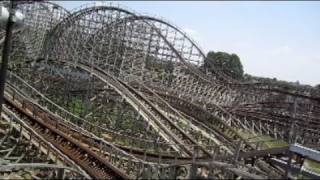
311,165
26,175
3,122
76,106
265,141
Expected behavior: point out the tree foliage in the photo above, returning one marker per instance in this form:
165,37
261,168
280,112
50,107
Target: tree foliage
229,64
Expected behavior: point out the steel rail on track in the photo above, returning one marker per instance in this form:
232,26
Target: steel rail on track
185,135
190,124
81,134
15,166
87,138
75,129
35,138
182,105
136,152
137,97
22,84
94,142
90,161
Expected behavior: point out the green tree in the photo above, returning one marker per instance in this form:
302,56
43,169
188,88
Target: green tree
228,64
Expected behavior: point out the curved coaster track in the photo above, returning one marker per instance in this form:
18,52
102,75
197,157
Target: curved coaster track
104,92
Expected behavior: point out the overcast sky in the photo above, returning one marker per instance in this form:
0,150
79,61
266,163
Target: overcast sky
272,39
